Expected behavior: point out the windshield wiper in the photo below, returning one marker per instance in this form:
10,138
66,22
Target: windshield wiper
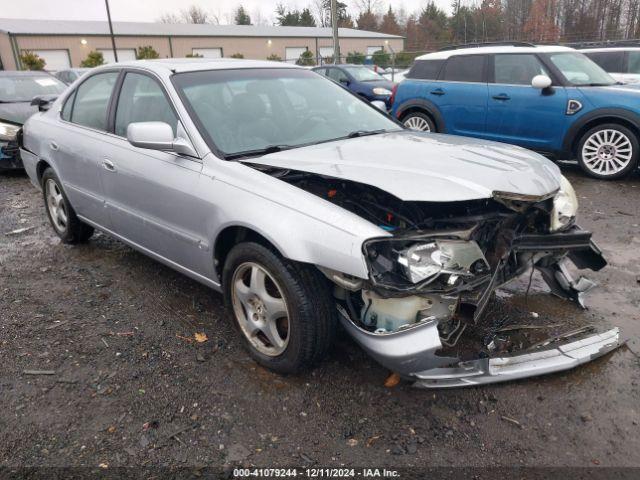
364,133
598,84
259,152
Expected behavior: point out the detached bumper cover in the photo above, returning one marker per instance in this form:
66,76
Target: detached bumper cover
501,369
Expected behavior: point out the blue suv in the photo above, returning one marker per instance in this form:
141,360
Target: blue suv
550,99
360,80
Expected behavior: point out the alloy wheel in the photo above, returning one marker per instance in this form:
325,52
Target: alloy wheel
260,308
417,123
607,152
56,206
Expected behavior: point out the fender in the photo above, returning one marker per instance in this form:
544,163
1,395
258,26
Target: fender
428,107
609,113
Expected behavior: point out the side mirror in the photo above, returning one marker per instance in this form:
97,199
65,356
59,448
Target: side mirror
380,105
43,102
345,81
541,82
158,136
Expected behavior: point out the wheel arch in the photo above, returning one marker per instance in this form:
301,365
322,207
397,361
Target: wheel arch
423,106
619,116
232,235
41,166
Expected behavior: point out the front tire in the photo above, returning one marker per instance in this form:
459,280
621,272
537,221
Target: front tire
419,121
282,309
608,151
61,214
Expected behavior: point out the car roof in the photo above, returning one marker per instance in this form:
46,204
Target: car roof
444,54
176,65
610,49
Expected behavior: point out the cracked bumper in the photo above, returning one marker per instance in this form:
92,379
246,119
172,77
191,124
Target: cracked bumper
562,357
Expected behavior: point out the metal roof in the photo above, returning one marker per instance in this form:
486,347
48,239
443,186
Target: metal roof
77,27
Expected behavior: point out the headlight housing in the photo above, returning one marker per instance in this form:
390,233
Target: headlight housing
442,263
381,91
8,131
565,206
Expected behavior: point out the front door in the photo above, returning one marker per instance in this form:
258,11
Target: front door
517,112
152,195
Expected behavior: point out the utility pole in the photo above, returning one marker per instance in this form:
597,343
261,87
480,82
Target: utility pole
113,38
334,24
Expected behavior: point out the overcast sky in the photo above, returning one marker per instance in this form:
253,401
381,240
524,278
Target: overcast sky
150,10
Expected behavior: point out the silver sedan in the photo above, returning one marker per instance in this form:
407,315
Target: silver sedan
306,206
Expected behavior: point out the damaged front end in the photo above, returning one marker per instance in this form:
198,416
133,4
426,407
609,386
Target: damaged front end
425,310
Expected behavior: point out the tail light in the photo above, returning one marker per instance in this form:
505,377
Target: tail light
393,94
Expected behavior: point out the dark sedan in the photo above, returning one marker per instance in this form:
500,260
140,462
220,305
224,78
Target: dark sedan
17,90
360,80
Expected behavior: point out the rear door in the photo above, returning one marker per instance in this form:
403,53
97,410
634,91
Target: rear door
519,113
78,144
461,94
151,195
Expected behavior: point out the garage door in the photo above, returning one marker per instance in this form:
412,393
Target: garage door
55,59
292,54
208,52
124,54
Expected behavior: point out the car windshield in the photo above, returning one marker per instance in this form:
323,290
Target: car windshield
580,70
363,74
257,111
22,88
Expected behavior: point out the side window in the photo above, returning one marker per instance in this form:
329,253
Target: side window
321,71
634,62
337,75
464,68
425,69
92,101
517,69
608,61
142,100
68,106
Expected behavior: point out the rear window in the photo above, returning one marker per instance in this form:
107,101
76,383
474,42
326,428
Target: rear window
609,61
425,69
464,68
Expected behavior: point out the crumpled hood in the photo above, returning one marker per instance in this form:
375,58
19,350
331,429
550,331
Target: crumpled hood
425,166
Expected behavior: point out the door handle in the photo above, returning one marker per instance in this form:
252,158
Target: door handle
108,165
54,146
437,91
502,96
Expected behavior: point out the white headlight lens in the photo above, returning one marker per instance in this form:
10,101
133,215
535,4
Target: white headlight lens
8,132
381,91
565,205
421,261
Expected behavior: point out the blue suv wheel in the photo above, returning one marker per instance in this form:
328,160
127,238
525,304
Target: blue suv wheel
419,121
608,151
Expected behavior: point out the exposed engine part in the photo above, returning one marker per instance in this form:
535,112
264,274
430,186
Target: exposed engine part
384,315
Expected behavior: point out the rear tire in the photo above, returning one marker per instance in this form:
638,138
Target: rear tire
419,121
283,310
608,151
61,214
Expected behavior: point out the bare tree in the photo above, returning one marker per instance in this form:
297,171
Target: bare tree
192,14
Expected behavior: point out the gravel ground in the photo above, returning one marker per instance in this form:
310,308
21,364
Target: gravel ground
131,386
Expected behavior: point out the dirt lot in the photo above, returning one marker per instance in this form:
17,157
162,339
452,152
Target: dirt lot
132,387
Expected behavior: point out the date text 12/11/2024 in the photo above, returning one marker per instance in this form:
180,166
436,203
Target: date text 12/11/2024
315,473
